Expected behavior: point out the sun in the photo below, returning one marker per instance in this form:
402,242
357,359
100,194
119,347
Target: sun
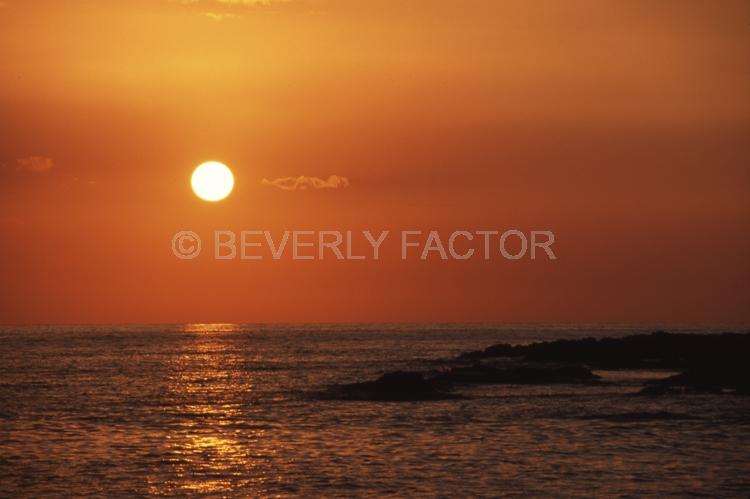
212,181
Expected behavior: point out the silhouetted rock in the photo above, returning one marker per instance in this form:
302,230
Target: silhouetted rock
656,350
394,386
713,375
499,350
711,363
525,375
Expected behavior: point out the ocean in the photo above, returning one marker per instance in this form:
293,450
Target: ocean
234,411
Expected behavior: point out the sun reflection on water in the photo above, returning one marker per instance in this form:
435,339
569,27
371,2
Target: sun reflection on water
211,328
213,446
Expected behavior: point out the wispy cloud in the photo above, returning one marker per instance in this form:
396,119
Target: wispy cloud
222,10
302,182
250,2
35,164
247,3
218,16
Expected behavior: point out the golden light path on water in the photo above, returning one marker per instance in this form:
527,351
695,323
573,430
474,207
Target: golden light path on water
213,449
225,410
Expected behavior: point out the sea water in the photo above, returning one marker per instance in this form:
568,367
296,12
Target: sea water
232,410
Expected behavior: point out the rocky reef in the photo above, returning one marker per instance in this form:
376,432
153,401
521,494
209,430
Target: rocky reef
710,364
479,374
394,386
655,350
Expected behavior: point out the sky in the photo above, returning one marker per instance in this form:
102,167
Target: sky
621,126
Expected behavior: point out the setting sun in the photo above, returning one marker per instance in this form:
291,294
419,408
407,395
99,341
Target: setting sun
324,248
212,181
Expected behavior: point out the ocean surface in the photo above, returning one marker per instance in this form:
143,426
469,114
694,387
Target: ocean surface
231,411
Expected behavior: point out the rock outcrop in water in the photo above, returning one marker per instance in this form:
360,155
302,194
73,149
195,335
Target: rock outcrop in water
405,385
712,376
524,375
710,364
655,350
394,386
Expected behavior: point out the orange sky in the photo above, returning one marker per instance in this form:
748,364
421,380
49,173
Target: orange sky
622,126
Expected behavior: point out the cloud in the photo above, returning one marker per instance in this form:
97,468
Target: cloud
250,2
302,182
35,164
246,3
214,16
222,10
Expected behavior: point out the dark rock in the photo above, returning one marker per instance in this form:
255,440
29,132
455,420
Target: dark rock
536,375
657,391
712,375
656,350
711,363
495,351
394,386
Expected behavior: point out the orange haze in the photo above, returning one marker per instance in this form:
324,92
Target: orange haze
622,126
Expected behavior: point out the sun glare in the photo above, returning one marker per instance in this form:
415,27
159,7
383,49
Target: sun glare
212,181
